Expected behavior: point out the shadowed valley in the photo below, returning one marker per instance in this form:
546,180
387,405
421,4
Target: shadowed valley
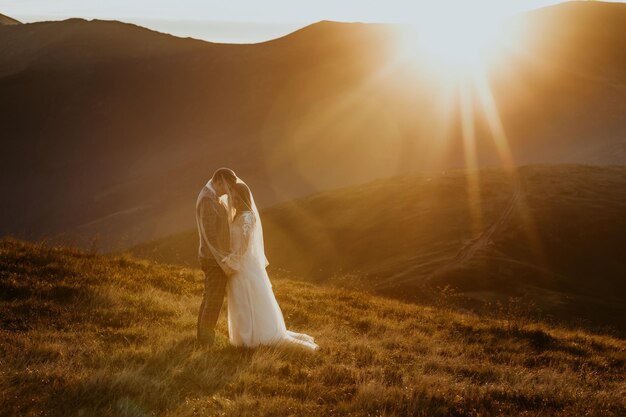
551,234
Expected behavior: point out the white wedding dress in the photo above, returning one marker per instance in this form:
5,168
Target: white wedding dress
254,317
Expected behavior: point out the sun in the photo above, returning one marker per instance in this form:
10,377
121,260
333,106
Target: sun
454,44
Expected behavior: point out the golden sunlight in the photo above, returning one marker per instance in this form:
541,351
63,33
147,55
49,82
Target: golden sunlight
457,52
459,45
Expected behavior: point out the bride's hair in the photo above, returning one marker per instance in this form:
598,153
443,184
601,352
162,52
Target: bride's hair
243,202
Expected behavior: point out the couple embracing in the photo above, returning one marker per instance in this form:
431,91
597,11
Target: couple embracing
233,260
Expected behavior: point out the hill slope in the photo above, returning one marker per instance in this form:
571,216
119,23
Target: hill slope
6,20
89,335
117,127
554,233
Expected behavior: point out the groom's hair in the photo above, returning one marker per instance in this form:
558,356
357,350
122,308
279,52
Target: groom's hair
225,174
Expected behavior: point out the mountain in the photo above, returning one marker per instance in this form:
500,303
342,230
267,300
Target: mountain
551,234
6,20
109,129
82,334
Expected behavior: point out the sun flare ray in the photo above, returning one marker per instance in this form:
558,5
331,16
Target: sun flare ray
468,133
494,121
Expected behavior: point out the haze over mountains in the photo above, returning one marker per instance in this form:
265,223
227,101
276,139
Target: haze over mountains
111,129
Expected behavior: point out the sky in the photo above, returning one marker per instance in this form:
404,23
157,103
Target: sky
241,21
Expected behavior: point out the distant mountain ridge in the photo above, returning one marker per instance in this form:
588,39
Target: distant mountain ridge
110,129
6,20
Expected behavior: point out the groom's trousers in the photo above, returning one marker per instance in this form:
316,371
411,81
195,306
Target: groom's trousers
212,298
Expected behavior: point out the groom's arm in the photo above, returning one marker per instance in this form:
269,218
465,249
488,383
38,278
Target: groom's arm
208,221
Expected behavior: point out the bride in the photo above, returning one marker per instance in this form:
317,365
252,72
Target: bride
254,317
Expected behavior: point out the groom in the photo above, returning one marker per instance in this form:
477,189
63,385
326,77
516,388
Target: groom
213,230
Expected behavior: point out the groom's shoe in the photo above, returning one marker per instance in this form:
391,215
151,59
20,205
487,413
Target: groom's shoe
206,337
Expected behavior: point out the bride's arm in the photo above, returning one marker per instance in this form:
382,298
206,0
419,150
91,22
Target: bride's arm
233,260
247,226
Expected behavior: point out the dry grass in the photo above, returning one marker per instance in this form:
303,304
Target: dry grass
90,335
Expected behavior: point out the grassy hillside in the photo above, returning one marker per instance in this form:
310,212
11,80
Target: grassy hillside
552,233
90,335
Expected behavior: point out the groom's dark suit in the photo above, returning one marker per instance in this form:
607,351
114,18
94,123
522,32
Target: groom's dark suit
213,231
